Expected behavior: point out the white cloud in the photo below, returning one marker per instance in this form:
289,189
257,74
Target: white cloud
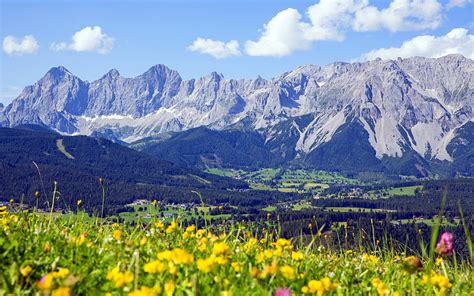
401,15
458,41
330,19
215,48
458,3
283,34
15,46
87,39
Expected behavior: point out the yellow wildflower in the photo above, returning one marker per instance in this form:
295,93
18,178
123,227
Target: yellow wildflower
260,257
79,202
206,265
165,255
46,282
369,258
297,256
278,252
283,243
25,271
143,241
169,288
154,267
81,239
200,233
254,272
62,291
111,274
321,286
172,269
202,245
117,234
221,260
61,273
180,256
270,269
160,225
288,272
220,248
268,253
171,228
146,291
236,266
191,228
439,281
380,286
119,278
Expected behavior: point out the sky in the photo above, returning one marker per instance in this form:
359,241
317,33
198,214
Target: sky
241,39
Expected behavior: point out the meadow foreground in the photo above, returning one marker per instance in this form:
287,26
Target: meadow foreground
44,254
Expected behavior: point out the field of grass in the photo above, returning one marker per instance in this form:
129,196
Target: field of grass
408,190
302,181
75,255
398,191
302,206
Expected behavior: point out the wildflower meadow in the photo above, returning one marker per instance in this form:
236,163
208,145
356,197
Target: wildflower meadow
46,254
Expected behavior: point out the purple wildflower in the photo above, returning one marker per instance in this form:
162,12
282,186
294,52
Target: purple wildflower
445,245
282,292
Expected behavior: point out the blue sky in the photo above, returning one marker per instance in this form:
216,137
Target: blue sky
195,37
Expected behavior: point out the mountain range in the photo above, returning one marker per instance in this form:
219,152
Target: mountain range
406,117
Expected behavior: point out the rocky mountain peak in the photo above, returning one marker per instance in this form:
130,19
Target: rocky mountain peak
112,74
160,70
57,74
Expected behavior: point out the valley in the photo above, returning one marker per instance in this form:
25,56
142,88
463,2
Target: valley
286,180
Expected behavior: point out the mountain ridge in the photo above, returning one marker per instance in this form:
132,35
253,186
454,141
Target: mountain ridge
404,105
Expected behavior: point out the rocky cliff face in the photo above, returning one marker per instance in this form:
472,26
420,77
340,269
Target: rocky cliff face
414,104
